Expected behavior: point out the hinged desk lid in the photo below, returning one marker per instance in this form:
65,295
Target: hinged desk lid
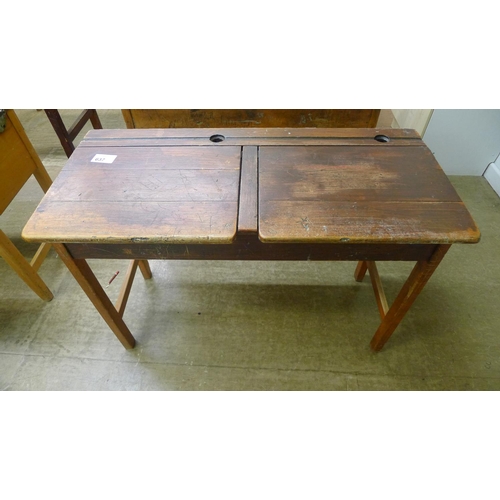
370,192
117,193
313,186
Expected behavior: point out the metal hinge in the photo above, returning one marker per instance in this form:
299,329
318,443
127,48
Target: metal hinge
3,119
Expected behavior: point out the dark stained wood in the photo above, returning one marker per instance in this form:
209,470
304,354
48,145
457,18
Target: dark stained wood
195,118
68,135
358,195
251,137
137,136
124,137
249,247
247,141
334,194
344,173
247,213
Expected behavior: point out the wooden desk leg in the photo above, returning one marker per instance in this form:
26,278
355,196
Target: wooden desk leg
91,286
421,273
360,271
145,269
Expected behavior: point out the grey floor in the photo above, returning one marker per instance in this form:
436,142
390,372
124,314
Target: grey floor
250,326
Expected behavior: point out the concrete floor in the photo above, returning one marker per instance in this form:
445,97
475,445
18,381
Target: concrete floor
250,326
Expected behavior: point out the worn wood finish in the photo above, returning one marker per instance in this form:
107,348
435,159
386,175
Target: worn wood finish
137,136
18,161
344,173
358,195
250,137
245,137
247,213
134,222
156,195
94,291
195,118
418,278
249,247
254,194
365,222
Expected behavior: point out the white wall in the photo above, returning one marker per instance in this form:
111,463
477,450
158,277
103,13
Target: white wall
464,141
492,175
417,119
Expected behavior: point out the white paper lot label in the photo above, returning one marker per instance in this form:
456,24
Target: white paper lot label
98,158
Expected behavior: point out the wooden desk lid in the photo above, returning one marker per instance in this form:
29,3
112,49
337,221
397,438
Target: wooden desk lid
147,194
314,185
381,192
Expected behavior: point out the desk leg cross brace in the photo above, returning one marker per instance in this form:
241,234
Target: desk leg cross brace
392,316
91,286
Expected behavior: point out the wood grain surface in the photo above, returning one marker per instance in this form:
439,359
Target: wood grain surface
146,194
249,247
308,185
248,210
358,195
253,194
194,118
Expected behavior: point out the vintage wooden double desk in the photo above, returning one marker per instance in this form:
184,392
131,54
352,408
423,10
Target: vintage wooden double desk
362,195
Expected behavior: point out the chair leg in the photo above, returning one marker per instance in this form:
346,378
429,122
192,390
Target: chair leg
16,260
94,119
60,129
67,136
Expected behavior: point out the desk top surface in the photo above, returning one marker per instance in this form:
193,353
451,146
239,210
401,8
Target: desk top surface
197,185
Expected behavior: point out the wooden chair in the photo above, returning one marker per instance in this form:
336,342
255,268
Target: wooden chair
18,161
230,118
67,136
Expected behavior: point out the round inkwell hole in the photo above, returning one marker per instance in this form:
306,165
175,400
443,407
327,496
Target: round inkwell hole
217,138
382,138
